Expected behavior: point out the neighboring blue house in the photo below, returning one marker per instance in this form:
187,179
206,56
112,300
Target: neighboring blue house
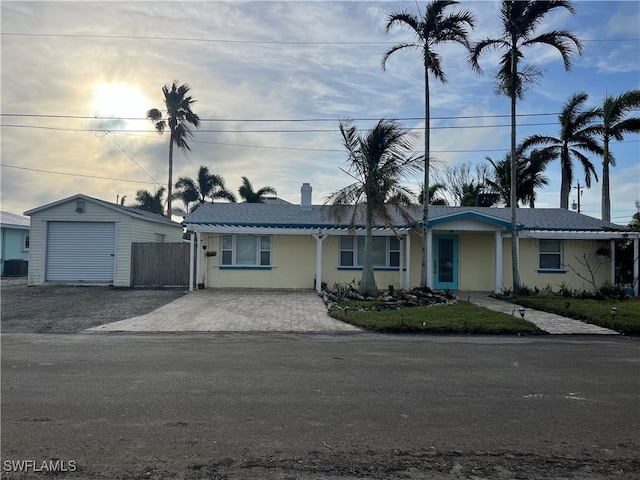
14,244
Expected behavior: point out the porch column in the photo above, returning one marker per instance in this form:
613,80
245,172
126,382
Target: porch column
499,281
191,244
636,264
429,259
319,239
408,262
400,280
198,259
612,263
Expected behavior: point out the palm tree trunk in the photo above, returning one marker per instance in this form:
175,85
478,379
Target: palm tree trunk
368,282
565,184
512,193
169,192
425,266
606,198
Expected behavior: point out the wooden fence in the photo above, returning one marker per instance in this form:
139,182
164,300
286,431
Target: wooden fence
159,264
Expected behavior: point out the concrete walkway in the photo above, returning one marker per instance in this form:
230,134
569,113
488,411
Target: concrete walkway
549,322
230,310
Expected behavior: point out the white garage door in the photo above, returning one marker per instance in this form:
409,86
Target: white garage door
81,252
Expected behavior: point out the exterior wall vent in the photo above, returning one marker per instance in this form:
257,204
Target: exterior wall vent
81,206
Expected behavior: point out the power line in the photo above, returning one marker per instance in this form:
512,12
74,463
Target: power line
306,130
247,42
131,158
274,120
73,174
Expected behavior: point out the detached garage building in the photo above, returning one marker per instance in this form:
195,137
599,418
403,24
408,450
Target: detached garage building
84,240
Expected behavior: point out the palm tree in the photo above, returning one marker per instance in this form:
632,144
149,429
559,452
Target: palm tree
615,123
529,176
430,31
378,161
150,202
520,19
178,118
577,132
206,186
247,193
434,199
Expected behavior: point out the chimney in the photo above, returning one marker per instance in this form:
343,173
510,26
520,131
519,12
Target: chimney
305,194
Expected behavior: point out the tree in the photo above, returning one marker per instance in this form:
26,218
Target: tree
577,133
150,202
250,196
434,199
529,176
431,30
466,184
206,186
615,123
378,161
179,118
520,20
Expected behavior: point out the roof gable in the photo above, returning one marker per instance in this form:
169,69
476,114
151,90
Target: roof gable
129,211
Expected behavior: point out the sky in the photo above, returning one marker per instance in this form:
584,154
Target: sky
272,80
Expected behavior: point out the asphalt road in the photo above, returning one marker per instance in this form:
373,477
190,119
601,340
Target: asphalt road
320,406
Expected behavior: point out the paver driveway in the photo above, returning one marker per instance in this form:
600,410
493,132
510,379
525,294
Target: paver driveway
231,310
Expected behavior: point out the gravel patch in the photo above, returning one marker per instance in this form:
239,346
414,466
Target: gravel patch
71,309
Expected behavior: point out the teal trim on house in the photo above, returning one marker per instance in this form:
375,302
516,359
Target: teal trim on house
473,216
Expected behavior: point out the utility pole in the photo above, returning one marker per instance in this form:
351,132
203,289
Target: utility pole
575,205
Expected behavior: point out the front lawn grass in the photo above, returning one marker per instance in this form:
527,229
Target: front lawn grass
596,312
462,317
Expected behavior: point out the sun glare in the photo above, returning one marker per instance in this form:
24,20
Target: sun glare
119,100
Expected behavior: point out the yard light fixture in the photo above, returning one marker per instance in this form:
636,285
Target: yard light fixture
614,312
521,310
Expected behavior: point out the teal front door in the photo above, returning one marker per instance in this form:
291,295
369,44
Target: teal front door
445,262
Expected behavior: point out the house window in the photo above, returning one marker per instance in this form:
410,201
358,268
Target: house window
386,252
246,250
26,242
550,254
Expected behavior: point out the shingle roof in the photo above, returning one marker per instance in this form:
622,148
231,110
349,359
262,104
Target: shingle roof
265,215
8,219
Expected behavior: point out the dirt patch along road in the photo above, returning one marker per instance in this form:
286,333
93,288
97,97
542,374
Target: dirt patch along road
236,406
71,309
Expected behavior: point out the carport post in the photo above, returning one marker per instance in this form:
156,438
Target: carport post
193,239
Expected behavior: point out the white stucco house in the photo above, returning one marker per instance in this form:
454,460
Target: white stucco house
84,240
299,246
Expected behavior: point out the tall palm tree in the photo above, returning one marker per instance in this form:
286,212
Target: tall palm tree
615,123
577,133
520,20
206,186
250,196
431,30
378,161
179,118
150,202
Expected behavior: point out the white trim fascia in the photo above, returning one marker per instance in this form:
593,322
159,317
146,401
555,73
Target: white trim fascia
575,235
231,229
